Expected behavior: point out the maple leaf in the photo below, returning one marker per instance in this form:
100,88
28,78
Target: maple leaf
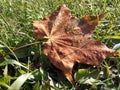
69,40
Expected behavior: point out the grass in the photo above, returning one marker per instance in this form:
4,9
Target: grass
16,30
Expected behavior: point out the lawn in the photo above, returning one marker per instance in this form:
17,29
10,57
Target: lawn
23,66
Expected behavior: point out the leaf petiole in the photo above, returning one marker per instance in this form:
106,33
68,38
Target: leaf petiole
18,48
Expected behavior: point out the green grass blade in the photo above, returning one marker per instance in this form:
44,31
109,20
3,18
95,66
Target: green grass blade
4,84
19,82
16,63
116,47
112,37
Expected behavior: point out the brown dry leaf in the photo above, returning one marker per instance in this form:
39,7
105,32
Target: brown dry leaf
69,40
